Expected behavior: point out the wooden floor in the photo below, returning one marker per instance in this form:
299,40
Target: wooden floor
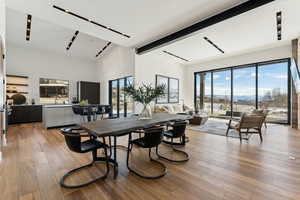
220,168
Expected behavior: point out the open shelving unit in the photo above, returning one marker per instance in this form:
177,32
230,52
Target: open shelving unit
16,84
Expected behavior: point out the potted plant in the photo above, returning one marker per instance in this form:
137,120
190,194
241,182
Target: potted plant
145,94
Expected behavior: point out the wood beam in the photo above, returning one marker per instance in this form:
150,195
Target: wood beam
232,12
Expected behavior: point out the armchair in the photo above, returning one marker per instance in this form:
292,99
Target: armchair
248,124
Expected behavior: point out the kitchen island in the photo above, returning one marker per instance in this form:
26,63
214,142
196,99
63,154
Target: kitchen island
59,115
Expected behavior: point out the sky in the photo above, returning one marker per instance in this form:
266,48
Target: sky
269,77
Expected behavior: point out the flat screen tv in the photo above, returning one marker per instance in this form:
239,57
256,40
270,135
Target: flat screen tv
295,75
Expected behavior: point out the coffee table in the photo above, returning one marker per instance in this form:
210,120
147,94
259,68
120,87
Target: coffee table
199,120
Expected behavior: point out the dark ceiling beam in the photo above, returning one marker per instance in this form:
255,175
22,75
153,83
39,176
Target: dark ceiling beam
227,14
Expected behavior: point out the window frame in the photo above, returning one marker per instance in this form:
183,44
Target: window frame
256,66
125,114
168,89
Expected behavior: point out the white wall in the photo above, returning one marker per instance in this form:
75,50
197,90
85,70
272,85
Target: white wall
3,36
149,65
37,63
258,56
2,19
120,62
117,62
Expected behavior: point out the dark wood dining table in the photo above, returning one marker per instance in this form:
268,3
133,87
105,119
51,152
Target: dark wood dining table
123,126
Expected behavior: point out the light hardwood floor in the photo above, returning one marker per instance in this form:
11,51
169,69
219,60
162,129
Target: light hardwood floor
219,168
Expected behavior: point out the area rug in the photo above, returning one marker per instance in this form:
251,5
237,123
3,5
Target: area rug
217,127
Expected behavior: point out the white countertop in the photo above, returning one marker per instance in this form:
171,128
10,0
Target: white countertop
57,105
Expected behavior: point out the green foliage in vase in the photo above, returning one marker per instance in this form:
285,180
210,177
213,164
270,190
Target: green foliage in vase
145,93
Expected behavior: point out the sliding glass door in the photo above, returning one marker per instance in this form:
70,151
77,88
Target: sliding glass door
122,106
114,96
198,97
236,90
273,90
129,100
244,90
207,92
222,93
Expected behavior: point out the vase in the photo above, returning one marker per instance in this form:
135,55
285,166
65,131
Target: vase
146,112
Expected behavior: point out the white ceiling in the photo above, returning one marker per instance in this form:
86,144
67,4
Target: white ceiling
51,37
254,29
147,20
143,20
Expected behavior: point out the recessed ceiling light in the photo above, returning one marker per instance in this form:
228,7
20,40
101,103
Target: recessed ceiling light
279,25
93,22
213,44
72,40
176,56
28,28
107,45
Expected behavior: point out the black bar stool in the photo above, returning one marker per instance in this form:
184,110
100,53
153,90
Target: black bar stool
177,131
79,110
152,138
103,110
73,140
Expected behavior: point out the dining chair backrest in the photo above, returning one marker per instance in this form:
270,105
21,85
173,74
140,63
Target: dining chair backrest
79,110
73,139
107,109
251,121
153,136
103,109
100,109
178,129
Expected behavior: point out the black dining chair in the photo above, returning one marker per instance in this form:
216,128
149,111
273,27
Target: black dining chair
177,131
73,138
104,110
80,110
152,138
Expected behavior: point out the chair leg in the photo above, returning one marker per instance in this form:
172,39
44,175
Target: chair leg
110,146
228,128
227,131
62,180
164,168
265,124
176,150
260,135
183,140
240,136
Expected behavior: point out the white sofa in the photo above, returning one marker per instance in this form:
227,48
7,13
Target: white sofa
172,108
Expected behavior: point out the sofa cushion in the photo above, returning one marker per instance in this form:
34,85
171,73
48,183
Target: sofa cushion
170,108
177,108
159,109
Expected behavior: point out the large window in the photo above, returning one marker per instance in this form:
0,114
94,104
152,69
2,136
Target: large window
244,90
53,91
122,105
222,93
171,91
207,96
235,90
198,97
273,90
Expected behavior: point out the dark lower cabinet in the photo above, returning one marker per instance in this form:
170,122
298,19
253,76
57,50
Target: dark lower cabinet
25,114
